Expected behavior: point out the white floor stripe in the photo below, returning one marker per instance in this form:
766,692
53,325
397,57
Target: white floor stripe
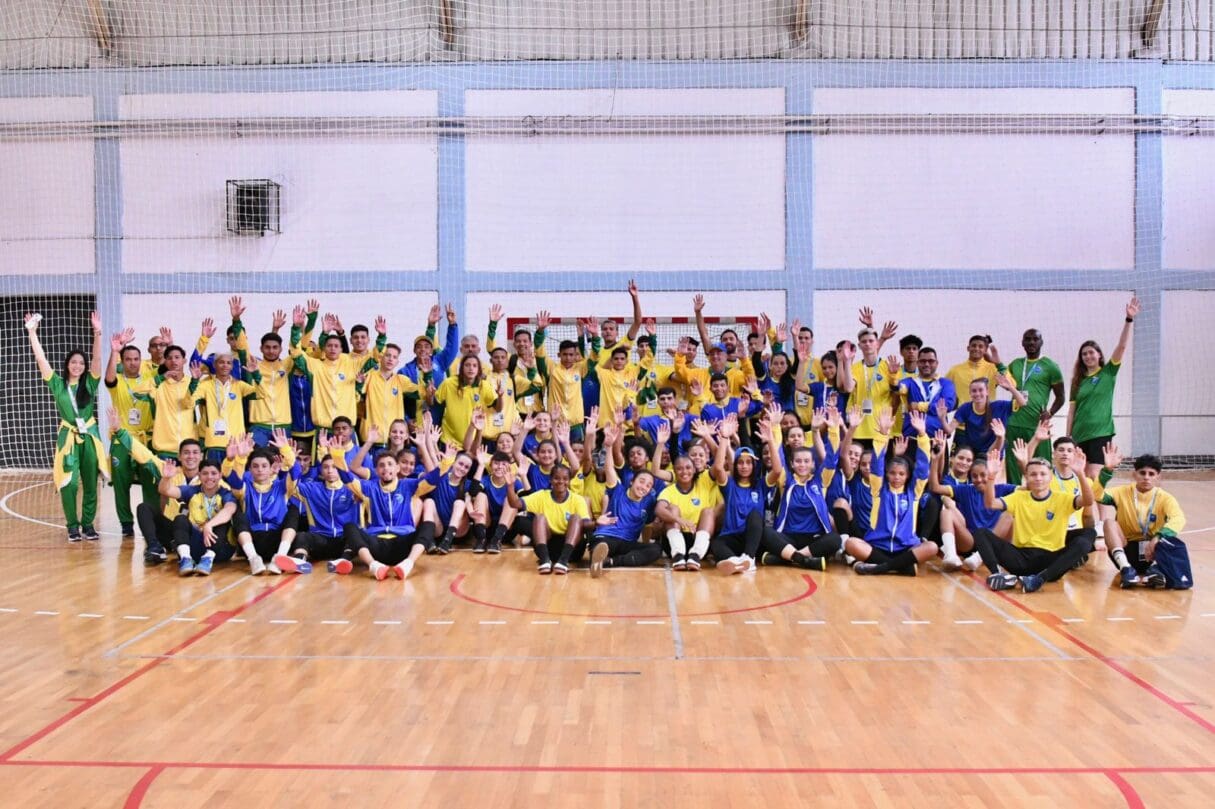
335,623
491,623
1119,618
758,623
706,623
135,618
176,616
865,623
968,622
89,615
8,609
283,621
440,623
387,623
1167,617
652,623
917,623
812,623
545,623
598,623
45,612
1073,620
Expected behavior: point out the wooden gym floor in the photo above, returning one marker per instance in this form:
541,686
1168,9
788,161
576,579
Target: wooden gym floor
477,682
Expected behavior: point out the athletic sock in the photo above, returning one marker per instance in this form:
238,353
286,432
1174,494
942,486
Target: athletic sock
1118,555
902,561
567,552
700,543
249,550
183,551
426,533
542,554
949,544
678,544
449,534
209,555
478,532
499,533
283,547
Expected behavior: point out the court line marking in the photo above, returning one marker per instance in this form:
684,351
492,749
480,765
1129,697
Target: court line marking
916,623
1168,617
488,658
8,609
457,591
813,623
46,612
157,626
4,507
439,623
335,623
140,790
1021,624
216,620
1119,618
89,615
387,623
135,617
968,621
1128,792
673,610
545,623
1176,705
705,623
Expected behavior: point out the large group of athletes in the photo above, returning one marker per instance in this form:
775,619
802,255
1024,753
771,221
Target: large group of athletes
331,449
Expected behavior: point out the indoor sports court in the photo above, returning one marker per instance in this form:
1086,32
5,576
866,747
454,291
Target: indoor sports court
200,201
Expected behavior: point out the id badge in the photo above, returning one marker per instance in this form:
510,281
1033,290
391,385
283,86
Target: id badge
499,419
219,427
867,406
803,400
133,417
1141,550
527,402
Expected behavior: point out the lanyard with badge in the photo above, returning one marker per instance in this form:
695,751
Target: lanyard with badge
867,402
1026,370
1145,520
220,426
134,417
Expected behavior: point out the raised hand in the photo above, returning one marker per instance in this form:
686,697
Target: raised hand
236,307
889,329
278,320
168,468
997,428
322,439
279,438
1113,456
992,355
95,322
865,315
894,363
633,291
166,335
698,303
651,326
451,314
993,458
1020,451
299,317
495,313
478,420
606,518
197,369
885,420
819,419
763,324
1042,432
919,422
942,410
900,444
782,333
938,442
1133,308
855,414
119,340
233,449
208,328
30,322
729,426
381,324
484,457
592,327
774,411
543,319
432,317
111,417
664,432
834,417
847,352
313,305
373,434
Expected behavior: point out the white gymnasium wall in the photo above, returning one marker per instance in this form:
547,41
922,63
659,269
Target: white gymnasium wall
1187,405
1189,187
974,201
634,203
406,313
617,305
46,193
946,318
348,203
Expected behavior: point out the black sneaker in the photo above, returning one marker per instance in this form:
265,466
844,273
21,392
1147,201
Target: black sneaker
154,554
128,530
1155,579
1032,583
769,558
495,546
679,562
809,562
90,533
867,568
1129,578
443,546
693,562
1001,581
481,545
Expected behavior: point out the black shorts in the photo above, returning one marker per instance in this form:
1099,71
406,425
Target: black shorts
1094,449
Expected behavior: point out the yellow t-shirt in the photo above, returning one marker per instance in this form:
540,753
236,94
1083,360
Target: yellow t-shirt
962,374
617,391
1142,515
803,403
223,410
133,414
565,390
273,403
1039,523
871,394
458,406
557,514
173,405
704,494
384,401
500,421
333,387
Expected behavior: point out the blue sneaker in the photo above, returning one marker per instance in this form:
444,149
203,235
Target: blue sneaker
292,564
1130,578
185,566
203,568
1031,583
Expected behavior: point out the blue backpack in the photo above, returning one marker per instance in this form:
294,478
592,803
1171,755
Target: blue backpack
1173,560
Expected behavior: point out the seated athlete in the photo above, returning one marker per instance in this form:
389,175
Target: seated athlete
331,504
616,541
488,506
555,511
401,527
966,512
266,526
1143,535
686,511
1039,551
744,491
891,544
200,532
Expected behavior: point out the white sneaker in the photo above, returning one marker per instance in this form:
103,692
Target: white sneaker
952,562
972,562
746,563
256,566
403,569
273,569
849,559
729,567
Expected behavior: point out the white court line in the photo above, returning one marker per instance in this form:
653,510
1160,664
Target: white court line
969,621
1208,615
812,623
651,623
183,620
235,621
1072,620
283,621
865,623
439,623
1119,618
706,623
1021,622
134,617
598,623
45,612
387,623
89,615
1183,533
491,623
8,609
4,507
175,617
1168,617
758,623
917,623
545,623
335,623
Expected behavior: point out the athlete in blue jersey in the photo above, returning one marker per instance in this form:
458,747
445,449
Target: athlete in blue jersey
744,488
968,512
331,504
491,513
400,527
266,525
616,541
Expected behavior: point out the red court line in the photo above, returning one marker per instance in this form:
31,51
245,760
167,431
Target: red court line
140,790
211,623
1128,792
576,769
459,593
1053,622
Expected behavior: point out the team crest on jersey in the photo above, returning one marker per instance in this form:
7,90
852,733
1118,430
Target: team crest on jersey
476,397
341,377
577,378
879,377
394,391
1050,515
696,501
754,497
231,395
1095,381
1036,370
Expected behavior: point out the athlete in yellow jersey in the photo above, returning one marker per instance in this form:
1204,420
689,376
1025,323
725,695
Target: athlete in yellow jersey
979,364
686,510
334,375
221,398
384,391
565,377
172,399
871,381
462,394
270,410
499,377
1146,525
134,414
